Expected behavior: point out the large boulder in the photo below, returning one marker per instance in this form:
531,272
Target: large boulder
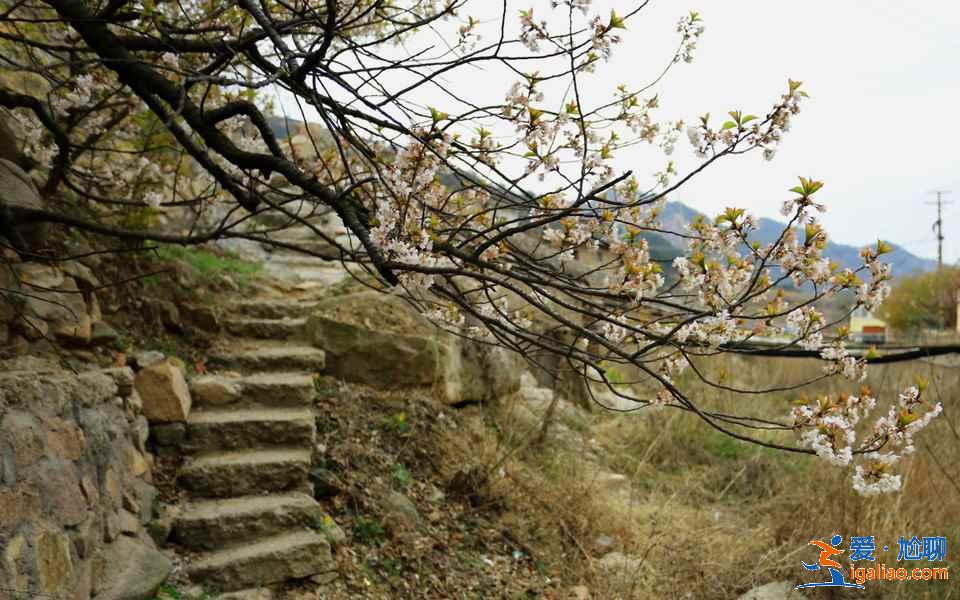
378,339
381,340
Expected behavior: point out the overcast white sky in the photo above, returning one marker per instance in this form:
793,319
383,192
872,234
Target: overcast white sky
882,127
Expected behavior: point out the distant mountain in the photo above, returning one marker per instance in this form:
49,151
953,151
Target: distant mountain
676,215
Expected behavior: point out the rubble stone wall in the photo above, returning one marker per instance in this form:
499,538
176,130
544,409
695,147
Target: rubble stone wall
75,484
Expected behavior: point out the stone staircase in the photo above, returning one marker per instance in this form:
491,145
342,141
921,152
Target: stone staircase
269,356
288,266
250,514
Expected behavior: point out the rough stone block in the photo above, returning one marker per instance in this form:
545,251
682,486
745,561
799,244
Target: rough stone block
135,571
60,491
102,334
64,438
54,562
22,432
212,390
14,562
164,392
85,537
134,461
18,504
110,488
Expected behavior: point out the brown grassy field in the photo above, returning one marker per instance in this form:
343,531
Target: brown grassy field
707,516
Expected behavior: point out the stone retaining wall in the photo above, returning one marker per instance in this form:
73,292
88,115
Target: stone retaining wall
75,484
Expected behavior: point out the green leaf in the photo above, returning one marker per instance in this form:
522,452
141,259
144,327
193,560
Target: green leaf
616,21
747,119
808,187
906,417
436,115
728,125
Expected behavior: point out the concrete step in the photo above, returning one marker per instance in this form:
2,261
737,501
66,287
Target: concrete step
290,556
276,218
325,276
234,429
315,245
213,524
309,244
267,390
238,473
299,233
272,309
271,358
265,329
303,260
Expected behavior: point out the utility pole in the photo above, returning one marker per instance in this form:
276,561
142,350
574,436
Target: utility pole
938,224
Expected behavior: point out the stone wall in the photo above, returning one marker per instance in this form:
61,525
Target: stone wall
75,484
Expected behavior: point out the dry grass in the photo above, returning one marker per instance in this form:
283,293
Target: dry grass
706,516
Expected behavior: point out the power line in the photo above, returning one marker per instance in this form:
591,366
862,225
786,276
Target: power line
938,224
